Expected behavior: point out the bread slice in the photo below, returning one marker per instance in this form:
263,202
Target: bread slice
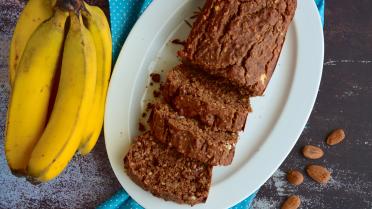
215,102
166,173
240,40
189,138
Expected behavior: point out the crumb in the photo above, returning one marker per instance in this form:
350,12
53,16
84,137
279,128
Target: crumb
151,83
149,106
179,42
144,115
196,14
141,127
155,77
157,94
188,23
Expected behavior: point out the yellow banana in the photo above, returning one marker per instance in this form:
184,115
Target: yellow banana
64,130
34,13
28,104
98,26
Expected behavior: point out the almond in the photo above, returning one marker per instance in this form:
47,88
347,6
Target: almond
336,136
295,177
318,173
312,152
292,202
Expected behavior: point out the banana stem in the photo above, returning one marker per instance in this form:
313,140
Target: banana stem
70,5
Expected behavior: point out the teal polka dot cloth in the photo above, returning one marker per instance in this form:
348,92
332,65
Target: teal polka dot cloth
124,14
121,200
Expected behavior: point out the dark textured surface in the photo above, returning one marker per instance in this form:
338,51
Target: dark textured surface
344,100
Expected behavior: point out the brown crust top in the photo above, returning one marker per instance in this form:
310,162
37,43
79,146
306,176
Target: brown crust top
185,135
166,173
214,101
240,40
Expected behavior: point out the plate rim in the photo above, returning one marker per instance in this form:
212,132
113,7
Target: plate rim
313,24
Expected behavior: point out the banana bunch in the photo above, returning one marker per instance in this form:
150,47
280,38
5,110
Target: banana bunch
59,67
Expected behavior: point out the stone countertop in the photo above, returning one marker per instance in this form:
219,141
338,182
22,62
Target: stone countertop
344,100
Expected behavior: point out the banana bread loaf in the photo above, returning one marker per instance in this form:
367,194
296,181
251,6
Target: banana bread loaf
240,40
187,137
166,173
213,101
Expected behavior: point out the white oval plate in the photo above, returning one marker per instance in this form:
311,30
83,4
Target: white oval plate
272,129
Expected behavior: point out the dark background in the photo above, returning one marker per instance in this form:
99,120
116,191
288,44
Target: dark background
344,101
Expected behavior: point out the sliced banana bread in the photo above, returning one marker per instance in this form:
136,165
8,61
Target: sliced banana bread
240,40
214,101
187,137
166,173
